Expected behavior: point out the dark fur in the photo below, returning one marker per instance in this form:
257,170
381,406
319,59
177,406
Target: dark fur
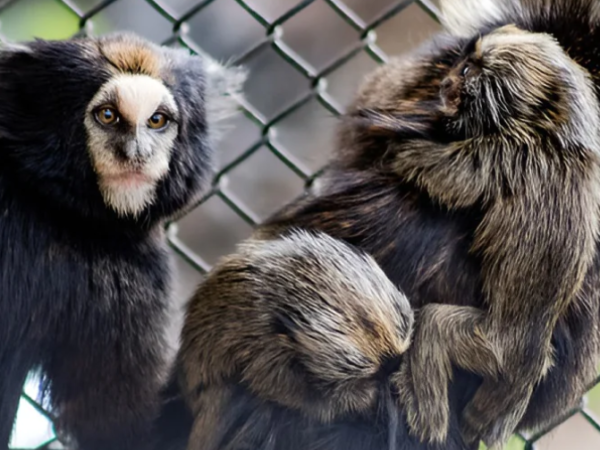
252,424
290,344
458,242
445,237
83,292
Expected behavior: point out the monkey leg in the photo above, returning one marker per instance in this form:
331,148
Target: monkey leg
14,366
444,335
107,395
208,410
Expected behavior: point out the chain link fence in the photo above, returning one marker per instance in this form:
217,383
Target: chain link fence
305,60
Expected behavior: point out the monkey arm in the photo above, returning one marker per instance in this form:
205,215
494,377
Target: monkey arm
575,354
537,250
451,173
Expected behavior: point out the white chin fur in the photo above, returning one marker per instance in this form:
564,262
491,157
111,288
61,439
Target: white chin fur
128,199
465,17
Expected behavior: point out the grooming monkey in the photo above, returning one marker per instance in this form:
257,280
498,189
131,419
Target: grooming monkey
101,141
304,322
528,161
469,171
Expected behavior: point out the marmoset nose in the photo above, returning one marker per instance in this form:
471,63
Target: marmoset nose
447,84
132,151
450,92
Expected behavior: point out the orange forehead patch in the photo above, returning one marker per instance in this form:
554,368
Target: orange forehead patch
134,57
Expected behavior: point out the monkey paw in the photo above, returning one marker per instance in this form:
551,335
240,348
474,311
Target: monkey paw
484,425
426,410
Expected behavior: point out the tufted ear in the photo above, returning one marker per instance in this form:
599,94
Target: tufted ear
465,17
224,93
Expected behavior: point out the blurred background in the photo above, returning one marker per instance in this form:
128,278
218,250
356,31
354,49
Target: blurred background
305,60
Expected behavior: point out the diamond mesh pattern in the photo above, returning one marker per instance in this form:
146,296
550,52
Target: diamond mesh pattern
305,59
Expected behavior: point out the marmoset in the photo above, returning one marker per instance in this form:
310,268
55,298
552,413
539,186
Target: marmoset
102,141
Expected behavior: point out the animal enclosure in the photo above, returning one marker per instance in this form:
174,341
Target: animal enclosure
305,60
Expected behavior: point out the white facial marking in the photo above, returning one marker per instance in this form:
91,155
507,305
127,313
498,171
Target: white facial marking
130,158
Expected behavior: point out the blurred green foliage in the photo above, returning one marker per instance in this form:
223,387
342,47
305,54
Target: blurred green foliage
594,401
515,443
28,19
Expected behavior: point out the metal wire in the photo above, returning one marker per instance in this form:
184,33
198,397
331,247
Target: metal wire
85,12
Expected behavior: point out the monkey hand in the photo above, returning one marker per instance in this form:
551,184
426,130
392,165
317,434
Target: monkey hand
495,411
493,415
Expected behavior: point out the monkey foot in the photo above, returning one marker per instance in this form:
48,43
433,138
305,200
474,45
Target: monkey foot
427,417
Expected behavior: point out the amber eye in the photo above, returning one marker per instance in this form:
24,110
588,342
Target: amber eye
107,115
158,121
